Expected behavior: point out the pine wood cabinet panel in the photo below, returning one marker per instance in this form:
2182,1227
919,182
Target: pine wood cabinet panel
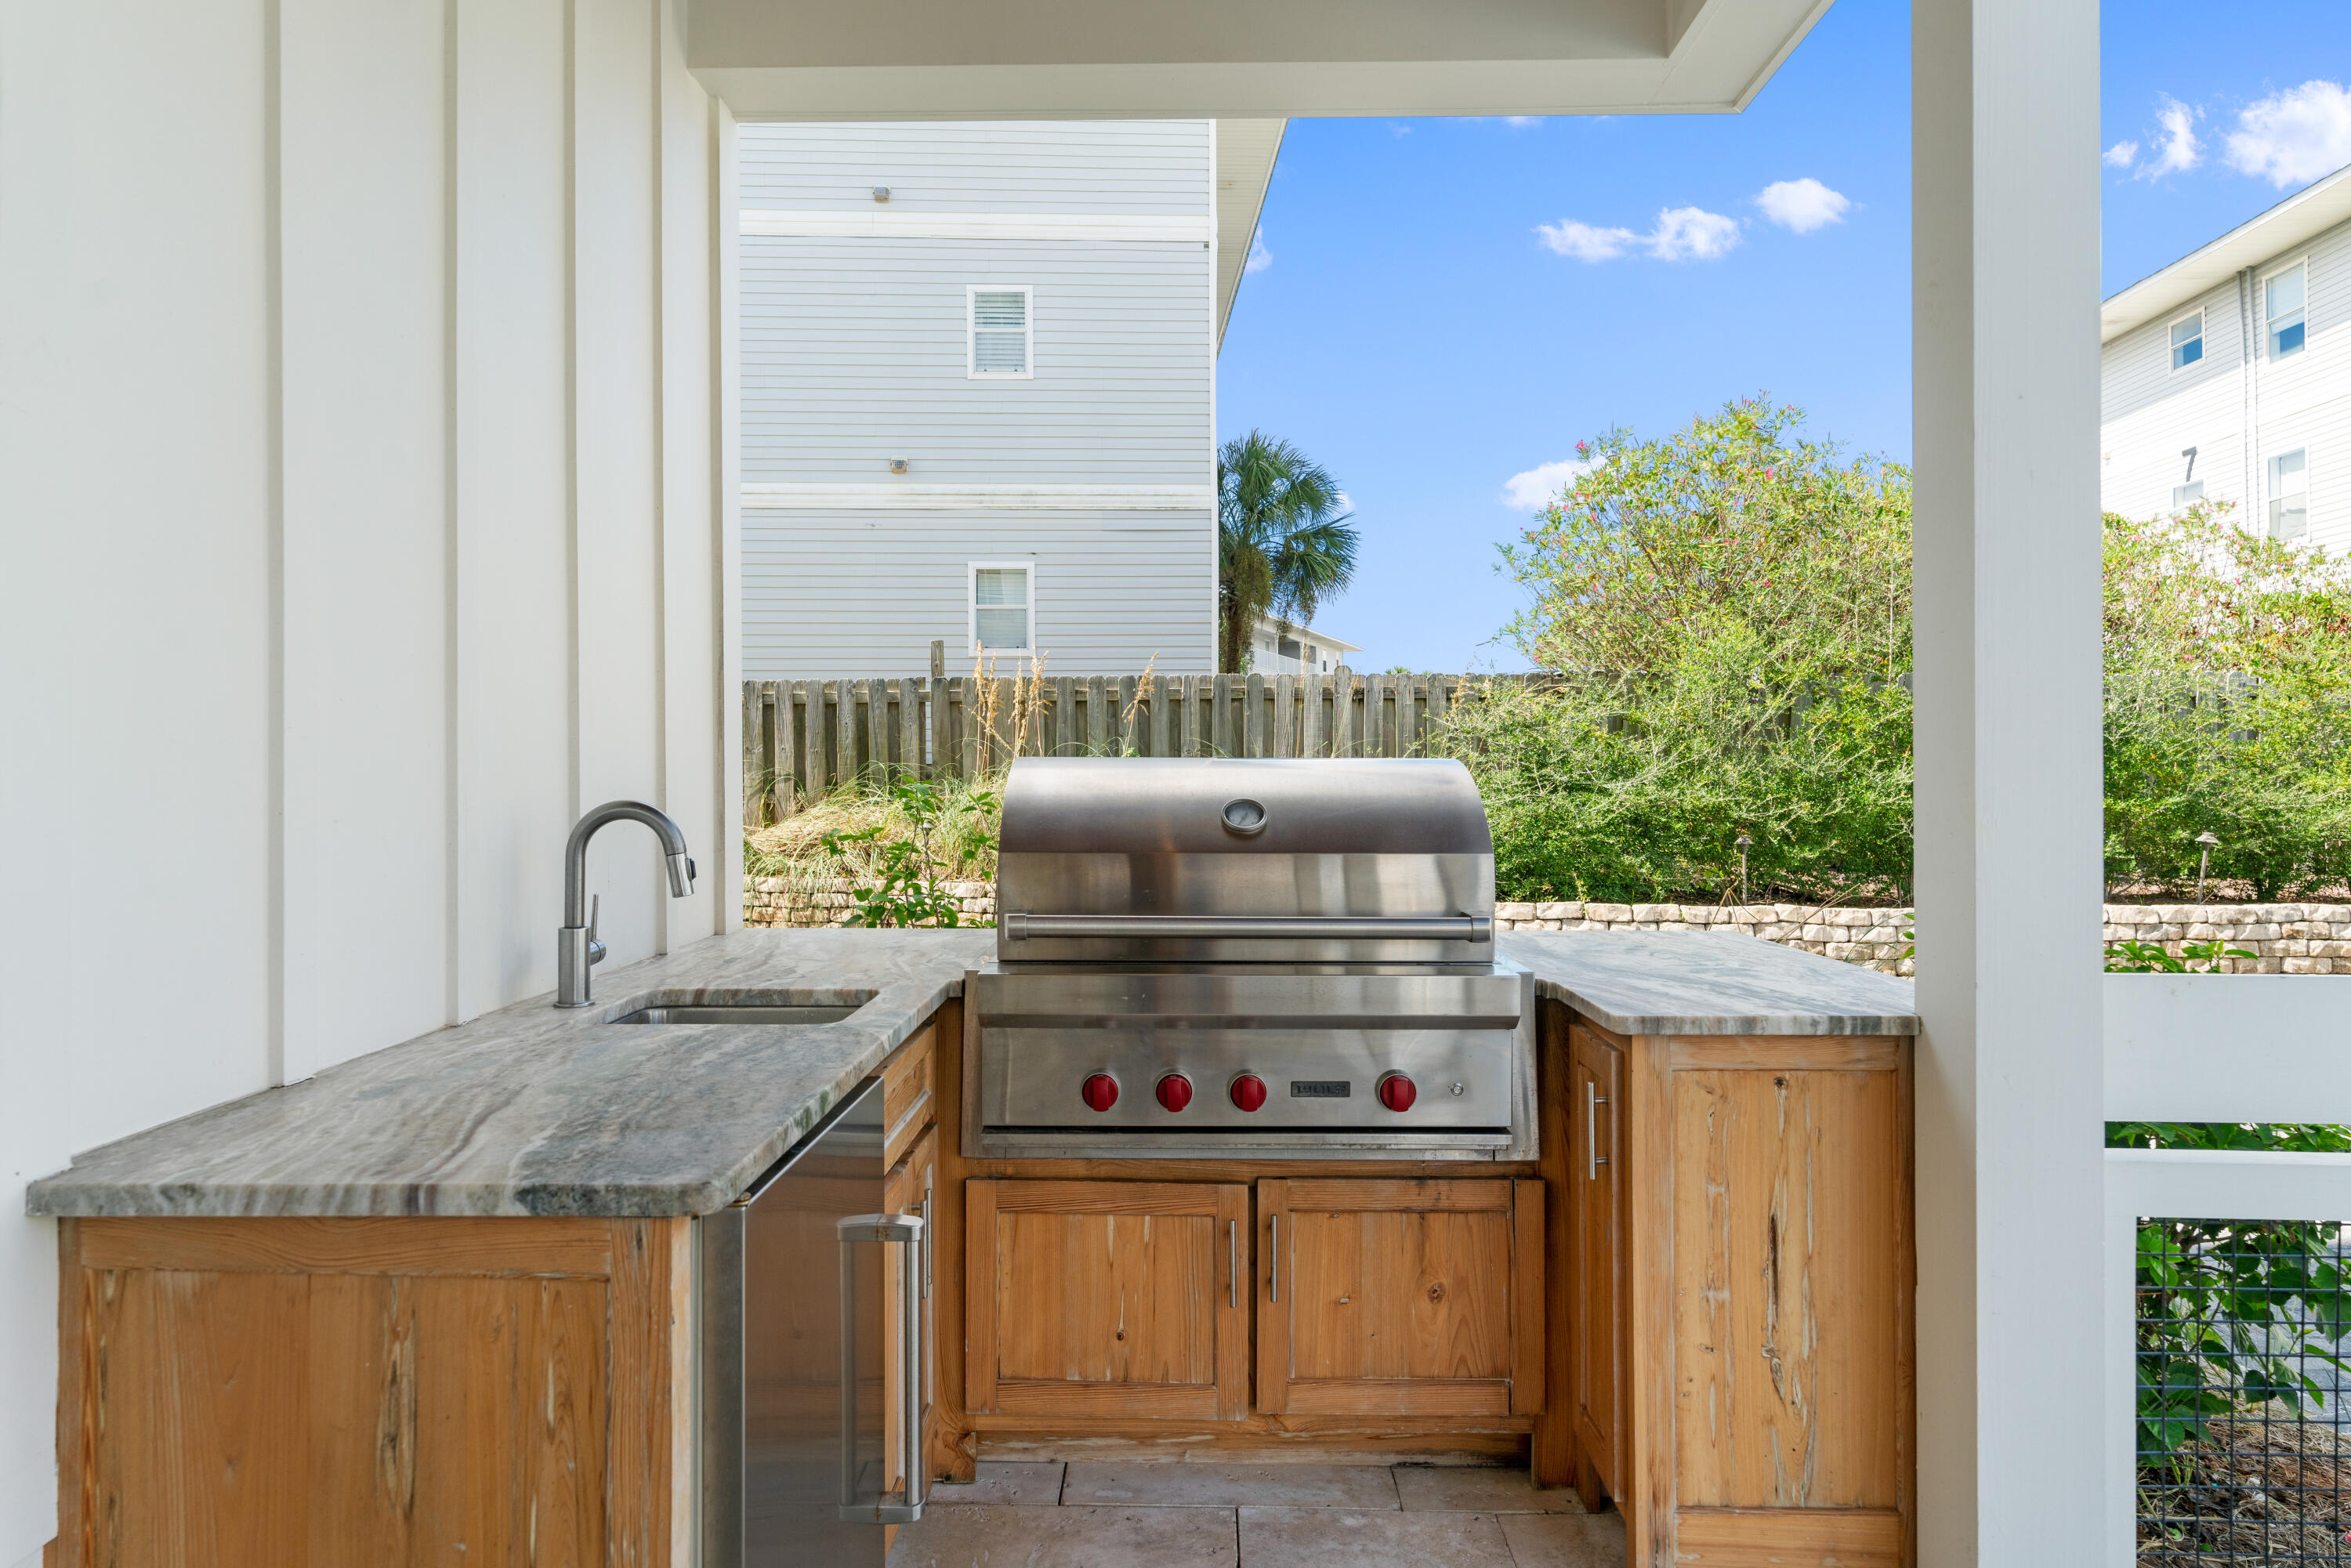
1598,1349
361,1392
1401,1297
1106,1299
1785,1246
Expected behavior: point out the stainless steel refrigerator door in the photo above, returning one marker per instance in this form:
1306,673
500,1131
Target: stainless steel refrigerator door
792,1357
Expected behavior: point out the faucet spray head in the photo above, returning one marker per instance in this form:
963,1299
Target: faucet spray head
681,874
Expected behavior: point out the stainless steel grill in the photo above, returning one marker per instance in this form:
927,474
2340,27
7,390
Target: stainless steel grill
1290,959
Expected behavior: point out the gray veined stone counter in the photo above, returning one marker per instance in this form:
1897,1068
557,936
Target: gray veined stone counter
1673,982
533,1110
538,1110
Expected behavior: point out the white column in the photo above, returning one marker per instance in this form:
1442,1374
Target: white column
2005,324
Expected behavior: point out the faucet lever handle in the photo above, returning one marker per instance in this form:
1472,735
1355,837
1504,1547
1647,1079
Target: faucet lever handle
595,908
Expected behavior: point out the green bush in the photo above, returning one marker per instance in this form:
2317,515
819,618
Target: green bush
1724,616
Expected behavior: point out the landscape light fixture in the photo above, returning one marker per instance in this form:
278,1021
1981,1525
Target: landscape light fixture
2204,861
1744,843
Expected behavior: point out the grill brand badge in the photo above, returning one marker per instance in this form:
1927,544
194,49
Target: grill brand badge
1319,1087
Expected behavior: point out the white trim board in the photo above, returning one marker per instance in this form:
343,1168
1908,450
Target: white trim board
915,497
2228,1047
883,221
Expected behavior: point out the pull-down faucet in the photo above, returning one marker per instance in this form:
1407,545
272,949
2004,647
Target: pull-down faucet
576,946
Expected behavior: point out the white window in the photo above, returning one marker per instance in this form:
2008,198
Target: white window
1001,608
2186,495
1002,332
2289,495
2282,298
2186,341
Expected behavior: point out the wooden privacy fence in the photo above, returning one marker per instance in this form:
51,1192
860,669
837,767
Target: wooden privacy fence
803,738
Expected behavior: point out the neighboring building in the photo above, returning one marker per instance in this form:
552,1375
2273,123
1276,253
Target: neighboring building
978,390
2228,375
1279,648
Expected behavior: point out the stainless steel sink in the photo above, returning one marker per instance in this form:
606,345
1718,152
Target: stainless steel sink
767,1008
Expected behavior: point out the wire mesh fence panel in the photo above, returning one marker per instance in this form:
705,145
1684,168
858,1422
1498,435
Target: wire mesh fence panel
2243,1436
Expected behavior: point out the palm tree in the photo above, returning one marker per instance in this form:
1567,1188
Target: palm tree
1283,546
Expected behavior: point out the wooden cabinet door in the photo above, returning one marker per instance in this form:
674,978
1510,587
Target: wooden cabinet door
1105,1298
1597,1348
1400,1298
907,1190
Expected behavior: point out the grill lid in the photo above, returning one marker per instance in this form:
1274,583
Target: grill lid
1131,859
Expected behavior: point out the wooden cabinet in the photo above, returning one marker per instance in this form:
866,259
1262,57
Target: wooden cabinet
328,1392
1091,1298
1405,1297
1769,1412
1596,1351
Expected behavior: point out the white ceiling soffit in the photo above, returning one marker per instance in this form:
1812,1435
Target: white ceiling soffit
2302,217
1110,59
1246,150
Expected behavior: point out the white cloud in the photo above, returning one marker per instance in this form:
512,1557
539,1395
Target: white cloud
1802,206
1685,234
2178,149
1583,242
1260,258
2122,155
1521,121
2291,138
1539,487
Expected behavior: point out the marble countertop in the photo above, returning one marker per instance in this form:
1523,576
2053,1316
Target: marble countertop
1673,982
538,1110
534,1110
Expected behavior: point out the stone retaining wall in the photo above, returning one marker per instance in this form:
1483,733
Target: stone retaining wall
2284,938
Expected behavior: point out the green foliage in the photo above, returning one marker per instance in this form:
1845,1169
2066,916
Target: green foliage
2228,666
907,891
1727,611
1284,543
2232,1313
2135,957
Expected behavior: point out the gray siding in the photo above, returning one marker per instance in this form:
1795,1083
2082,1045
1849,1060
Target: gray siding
1137,166
830,595
853,353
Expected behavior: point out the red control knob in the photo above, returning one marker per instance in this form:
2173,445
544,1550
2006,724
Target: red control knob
1248,1091
1397,1091
1100,1091
1174,1092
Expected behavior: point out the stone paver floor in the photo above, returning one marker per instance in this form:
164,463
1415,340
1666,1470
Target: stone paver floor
1181,1515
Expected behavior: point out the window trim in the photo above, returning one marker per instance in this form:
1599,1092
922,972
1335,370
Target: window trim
2269,333
2277,493
972,650
971,293
2172,347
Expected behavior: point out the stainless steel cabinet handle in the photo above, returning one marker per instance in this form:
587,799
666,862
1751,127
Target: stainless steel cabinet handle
1275,1281
908,1230
1592,1101
1232,1263
1021,928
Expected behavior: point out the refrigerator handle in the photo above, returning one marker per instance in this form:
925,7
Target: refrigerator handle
906,1505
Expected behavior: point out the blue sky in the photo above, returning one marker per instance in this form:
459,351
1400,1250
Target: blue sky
1442,306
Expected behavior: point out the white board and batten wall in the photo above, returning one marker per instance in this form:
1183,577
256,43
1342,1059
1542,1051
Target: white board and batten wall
361,380
2192,358
883,468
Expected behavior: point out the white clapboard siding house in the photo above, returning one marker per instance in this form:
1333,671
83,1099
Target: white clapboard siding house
978,390
2226,376
1279,647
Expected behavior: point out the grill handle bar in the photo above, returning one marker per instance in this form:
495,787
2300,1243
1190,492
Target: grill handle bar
1021,928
